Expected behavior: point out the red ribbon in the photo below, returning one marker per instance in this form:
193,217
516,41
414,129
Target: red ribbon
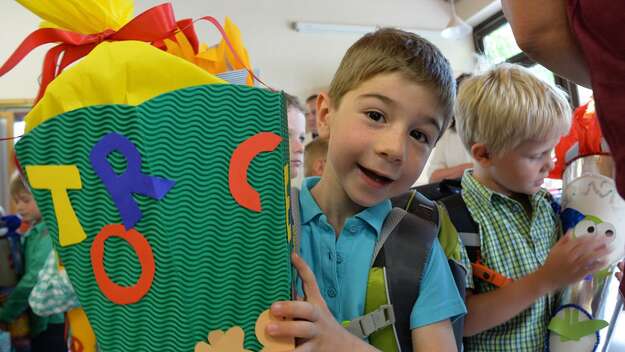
151,26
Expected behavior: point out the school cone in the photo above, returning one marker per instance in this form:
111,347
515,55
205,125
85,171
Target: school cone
591,206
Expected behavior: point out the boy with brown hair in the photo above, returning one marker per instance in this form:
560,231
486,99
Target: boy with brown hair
389,102
315,157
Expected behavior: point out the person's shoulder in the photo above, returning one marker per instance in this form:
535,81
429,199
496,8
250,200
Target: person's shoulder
37,233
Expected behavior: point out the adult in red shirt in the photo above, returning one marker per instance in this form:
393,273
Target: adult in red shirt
584,41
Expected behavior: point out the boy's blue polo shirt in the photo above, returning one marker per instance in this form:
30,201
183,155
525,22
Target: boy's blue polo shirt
341,266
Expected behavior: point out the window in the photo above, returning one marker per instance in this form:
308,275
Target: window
499,45
493,39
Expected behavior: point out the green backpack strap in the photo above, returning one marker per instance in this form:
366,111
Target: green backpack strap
296,227
296,219
377,323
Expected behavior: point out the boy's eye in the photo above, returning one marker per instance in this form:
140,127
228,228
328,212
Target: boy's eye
375,115
419,136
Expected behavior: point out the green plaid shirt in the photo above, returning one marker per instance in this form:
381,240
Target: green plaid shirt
37,247
515,246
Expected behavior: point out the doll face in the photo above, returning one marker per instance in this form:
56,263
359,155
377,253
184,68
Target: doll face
589,227
596,197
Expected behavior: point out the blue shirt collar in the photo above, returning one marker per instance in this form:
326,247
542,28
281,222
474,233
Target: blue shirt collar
373,216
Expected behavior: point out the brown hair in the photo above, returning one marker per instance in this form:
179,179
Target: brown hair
312,97
314,150
292,102
390,50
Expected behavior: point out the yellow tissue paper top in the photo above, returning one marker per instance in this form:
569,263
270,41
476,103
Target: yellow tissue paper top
82,16
215,59
127,72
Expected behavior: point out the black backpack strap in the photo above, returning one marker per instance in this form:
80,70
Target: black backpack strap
468,229
404,255
417,204
469,233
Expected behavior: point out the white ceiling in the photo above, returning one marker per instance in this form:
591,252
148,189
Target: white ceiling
297,62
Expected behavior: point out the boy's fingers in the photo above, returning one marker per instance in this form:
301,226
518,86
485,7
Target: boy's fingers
292,329
588,246
596,265
593,251
309,283
584,243
295,310
306,347
567,236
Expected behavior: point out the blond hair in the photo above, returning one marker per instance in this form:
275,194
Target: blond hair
17,186
507,106
390,50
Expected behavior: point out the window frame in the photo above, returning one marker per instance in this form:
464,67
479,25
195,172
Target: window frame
493,23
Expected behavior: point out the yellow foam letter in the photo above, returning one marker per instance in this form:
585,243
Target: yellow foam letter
58,179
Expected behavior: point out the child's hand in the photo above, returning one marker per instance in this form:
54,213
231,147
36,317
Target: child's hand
621,268
572,259
310,321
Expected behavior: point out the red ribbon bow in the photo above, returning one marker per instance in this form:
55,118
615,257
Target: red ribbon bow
152,26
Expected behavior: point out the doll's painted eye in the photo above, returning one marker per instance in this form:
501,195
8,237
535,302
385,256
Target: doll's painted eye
607,230
585,227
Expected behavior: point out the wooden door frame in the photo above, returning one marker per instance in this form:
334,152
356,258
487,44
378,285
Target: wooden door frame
8,107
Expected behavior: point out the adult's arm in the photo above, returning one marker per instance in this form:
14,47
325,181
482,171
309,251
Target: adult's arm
542,30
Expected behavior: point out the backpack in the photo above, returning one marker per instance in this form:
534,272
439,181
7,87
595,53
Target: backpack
447,193
394,278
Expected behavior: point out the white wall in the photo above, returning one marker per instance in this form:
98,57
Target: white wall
299,63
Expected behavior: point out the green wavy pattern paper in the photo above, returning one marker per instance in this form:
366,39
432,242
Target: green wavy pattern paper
217,264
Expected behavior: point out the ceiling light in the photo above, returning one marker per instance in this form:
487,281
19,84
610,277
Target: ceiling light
456,28
314,27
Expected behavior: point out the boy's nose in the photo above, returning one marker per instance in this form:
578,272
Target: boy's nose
392,147
549,164
298,147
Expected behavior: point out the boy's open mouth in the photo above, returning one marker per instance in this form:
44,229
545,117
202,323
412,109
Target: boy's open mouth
375,176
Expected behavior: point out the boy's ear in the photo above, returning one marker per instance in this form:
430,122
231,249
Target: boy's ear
319,165
323,115
481,155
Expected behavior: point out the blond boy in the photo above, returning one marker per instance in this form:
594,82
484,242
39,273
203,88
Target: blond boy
510,121
47,333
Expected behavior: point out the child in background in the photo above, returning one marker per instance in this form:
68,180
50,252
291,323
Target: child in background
297,134
510,121
47,333
315,157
